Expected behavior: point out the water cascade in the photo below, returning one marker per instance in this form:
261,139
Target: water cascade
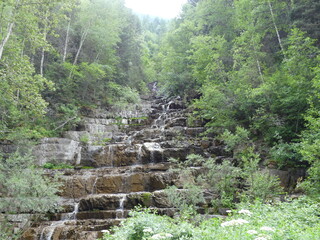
128,169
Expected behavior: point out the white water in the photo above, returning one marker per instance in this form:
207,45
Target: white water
120,210
71,216
48,231
94,186
111,155
139,154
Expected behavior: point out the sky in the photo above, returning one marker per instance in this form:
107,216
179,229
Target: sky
161,8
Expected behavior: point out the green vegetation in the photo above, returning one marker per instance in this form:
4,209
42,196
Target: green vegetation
227,182
248,66
248,69
59,58
297,219
24,188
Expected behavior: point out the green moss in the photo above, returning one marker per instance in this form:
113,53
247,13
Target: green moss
146,198
87,167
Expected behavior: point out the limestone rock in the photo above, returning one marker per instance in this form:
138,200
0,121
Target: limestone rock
58,150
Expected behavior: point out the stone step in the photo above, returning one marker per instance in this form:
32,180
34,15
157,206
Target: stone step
71,230
128,180
99,202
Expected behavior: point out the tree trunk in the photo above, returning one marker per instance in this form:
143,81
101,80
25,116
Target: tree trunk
260,71
66,42
5,40
42,62
9,32
276,28
83,38
45,40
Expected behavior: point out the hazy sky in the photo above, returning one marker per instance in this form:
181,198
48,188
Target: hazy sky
160,8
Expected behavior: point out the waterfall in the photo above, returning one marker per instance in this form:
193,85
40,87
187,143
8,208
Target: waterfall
72,215
120,210
48,231
111,155
139,154
94,186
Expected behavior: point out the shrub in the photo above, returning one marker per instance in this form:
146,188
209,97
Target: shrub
295,220
145,224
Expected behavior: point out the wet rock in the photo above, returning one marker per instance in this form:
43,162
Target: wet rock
109,184
101,202
77,186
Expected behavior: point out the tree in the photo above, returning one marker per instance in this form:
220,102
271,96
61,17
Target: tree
25,188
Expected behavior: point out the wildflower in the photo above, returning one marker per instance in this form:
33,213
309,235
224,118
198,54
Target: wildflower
265,228
148,230
228,211
252,232
162,236
234,222
245,212
105,231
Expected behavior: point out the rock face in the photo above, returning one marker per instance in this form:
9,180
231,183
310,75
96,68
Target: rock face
58,150
126,155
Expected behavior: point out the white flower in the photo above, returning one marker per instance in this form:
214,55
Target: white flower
234,222
228,211
105,231
162,236
246,212
252,232
265,228
148,230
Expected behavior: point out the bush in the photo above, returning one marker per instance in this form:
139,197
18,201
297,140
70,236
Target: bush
145,224
295,220
259,184
25,188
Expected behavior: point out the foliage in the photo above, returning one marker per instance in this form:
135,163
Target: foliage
248,221
310,139
121,96
259,184
24,187
237,142
225,182
285,154
56,58
144,224
21,104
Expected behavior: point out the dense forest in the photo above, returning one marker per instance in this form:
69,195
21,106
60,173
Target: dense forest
248,69
60,56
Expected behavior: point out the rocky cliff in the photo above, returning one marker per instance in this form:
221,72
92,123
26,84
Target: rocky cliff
120,161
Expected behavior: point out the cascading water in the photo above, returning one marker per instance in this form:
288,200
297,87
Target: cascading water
94,186
139,154
120,210
111,155
124,172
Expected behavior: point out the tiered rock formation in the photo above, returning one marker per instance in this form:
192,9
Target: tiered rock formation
128,153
